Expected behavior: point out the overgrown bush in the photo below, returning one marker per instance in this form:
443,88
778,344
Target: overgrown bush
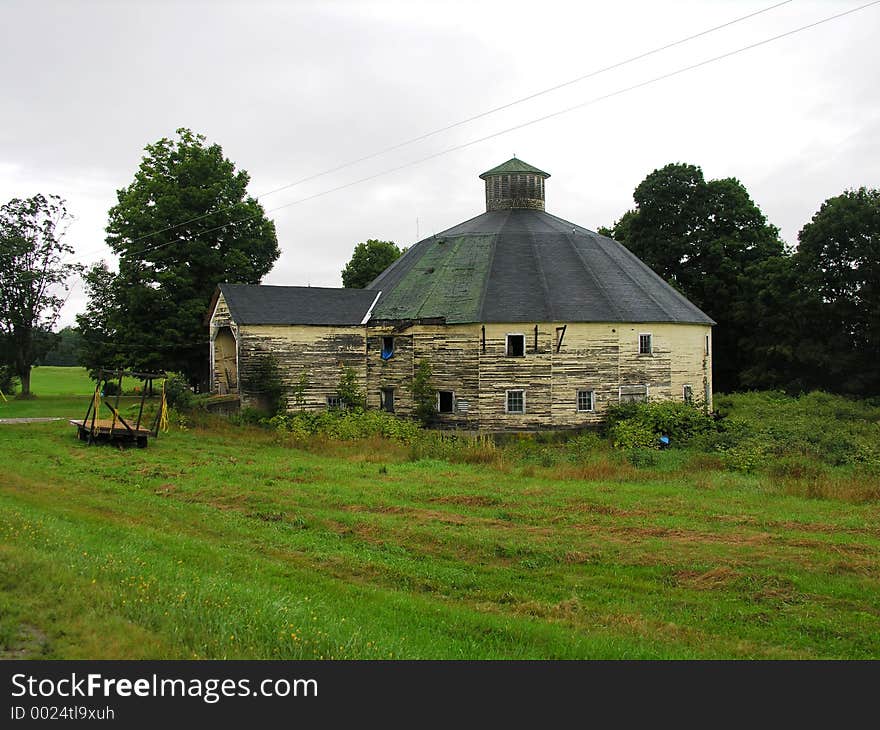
831,429
424,395
347,425
110,387
178,393
248,417
8,380
349,391
262,378
640,425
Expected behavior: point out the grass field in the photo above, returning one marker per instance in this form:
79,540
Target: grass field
61,392
229,542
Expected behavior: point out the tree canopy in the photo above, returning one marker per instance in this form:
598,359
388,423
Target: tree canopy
838,266
704,238
33,278
185,224
370,258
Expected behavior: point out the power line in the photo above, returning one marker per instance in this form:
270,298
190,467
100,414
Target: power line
508,105
537,120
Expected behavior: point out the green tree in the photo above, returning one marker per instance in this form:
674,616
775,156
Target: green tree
185,224
703,237
424,395
370,258
33,277
65,352
99,345
838,264
348,390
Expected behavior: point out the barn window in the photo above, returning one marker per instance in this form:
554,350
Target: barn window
688,393
707,345
445,401
516,345
387,348
334,401
585,401
646,345
633,393
516,401
387,399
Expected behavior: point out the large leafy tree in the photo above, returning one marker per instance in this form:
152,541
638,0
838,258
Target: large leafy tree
704,238
33,277
838,266
370,258
185,224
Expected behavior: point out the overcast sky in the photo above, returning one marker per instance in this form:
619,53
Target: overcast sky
290,89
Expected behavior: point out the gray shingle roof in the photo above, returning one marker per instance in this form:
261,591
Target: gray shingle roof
526,266
250,304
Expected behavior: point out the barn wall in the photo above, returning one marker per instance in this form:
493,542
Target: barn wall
454,354
318,352
396,372
597,357
588,359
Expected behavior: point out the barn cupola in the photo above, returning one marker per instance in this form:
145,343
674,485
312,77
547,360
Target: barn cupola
514,184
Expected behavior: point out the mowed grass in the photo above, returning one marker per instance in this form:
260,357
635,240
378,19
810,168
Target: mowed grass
56,380
225,542
60,392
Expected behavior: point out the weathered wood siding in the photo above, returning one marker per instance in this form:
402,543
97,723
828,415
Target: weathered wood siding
396,372
588,359
454,354
592,356
531,373
319,352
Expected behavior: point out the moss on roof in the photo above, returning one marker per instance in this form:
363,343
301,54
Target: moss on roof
514,165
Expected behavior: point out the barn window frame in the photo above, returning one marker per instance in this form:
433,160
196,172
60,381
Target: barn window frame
687,393
451,401
335,401
386,399
387,347
646,343
592,404
507,348
522,397
646,394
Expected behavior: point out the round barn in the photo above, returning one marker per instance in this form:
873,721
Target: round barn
527,321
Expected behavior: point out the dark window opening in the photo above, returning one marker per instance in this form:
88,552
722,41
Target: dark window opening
388,400
387,348
516,345
334,401
645,344
445,401
688,393
516,401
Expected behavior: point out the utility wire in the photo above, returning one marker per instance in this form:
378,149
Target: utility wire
508,105
537,120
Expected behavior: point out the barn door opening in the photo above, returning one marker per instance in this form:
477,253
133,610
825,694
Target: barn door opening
225,361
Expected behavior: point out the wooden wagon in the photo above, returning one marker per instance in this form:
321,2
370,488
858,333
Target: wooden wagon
117,428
